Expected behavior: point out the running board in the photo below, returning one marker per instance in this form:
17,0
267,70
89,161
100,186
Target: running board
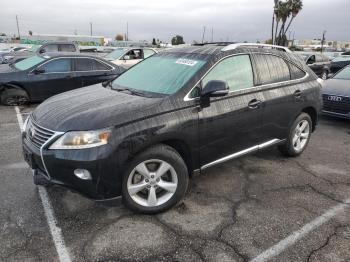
243,152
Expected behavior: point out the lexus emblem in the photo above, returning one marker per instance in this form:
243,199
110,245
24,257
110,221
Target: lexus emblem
335,98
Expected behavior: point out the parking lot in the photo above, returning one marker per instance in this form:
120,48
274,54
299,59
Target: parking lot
263,207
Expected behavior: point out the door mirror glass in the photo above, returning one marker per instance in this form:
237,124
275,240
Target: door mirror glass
215,88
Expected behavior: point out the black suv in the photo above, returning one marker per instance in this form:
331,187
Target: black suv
174,114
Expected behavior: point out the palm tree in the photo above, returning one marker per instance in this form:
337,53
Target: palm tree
296,6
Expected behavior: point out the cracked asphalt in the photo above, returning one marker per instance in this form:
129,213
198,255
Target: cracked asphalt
232,212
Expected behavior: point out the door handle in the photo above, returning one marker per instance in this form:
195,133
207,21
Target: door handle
297,94
254,104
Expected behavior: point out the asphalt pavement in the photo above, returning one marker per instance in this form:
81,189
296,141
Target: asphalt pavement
262,207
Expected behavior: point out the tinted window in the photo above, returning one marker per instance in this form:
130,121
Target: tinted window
311,60
272,69
57,65
67,48
100,66
84,64
87,64
236,71
50,48
343,74
147,53
295,72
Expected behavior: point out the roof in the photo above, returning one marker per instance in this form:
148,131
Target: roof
65,54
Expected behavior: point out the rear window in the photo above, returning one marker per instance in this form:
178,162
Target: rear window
272,69
295,72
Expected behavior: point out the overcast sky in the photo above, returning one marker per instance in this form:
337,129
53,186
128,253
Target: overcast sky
233,20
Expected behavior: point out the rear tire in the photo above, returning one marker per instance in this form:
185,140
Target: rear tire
155,180
14,97
299,136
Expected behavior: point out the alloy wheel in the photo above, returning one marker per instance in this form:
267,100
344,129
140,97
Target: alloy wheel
301,135
152,183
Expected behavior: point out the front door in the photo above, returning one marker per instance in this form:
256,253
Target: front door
230,124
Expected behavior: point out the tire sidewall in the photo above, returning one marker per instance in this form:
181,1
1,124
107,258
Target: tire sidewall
301,117
164,153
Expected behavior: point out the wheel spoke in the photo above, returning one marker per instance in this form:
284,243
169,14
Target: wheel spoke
163,168
170,187
135,188
152,197
303,126
298,143
295,138
304,135
143,170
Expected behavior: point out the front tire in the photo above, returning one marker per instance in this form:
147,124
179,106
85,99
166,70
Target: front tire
155,180
299,136
14,97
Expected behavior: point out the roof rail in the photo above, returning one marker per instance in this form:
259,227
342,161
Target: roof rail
257,45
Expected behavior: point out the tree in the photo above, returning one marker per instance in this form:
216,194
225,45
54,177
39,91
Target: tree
119,37
284,10
154,41
30,32
177,40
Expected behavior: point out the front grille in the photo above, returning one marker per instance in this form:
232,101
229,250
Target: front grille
36,134
340,107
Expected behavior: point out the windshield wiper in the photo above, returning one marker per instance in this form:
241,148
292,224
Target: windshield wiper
132,91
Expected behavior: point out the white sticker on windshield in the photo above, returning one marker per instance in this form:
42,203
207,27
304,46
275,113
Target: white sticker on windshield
188,62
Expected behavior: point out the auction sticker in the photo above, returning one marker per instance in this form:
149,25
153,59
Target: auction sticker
188,62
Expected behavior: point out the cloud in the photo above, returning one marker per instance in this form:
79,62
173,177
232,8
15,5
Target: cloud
233,20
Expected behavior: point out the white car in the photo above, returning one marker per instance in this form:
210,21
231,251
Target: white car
129,56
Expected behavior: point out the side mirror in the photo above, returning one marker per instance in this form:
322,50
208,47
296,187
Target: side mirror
126,57
38,71
215,88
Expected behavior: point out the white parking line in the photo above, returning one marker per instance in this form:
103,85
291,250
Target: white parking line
56,232
299,234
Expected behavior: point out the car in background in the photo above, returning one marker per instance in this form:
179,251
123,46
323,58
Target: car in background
38,77
318,63
338,63
176,113
127,57
16,56
336,94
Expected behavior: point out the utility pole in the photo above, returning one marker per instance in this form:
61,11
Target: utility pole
203,34
19,36
212,34
323,38
91,28
127,31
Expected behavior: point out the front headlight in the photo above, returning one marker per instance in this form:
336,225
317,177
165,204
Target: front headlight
82,139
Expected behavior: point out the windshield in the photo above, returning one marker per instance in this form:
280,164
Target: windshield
341,58
116,54
343,74
159,74
28,62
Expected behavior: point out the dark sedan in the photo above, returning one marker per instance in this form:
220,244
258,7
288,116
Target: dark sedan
336,94
36,78
318,63
339,62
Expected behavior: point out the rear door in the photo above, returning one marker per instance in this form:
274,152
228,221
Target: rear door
56,77
283,92
231,123
90,71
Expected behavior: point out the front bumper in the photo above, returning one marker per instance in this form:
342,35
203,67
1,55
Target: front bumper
334,114
58,166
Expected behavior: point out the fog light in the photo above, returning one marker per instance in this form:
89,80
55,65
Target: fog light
82,174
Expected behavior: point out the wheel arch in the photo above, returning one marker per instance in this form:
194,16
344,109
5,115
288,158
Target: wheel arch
312,112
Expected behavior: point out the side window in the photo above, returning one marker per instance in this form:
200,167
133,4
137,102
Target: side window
57,65
236,71
311,60
147,53
83,64
133,54
295,72
50,48
100,66
272,69
67,48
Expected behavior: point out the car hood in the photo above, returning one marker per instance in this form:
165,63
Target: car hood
90,108
339,87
